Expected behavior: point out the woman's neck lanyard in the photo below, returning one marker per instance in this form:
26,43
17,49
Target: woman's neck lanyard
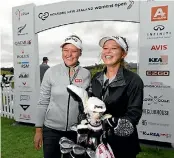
71,79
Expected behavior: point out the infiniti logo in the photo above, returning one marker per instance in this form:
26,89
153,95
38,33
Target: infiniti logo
159,28
43,16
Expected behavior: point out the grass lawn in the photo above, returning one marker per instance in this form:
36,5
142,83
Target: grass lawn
17,142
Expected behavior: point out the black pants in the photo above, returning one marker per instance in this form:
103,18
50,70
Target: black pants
51,139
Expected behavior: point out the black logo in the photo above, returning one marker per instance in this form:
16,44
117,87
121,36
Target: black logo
23,75
71,38
96,106
130,5
159,32
20,30
144,122
156,100
159,28
163,60
43,16
24,107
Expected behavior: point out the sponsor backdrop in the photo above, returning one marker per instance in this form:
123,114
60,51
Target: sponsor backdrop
155,54
28,20
156,70
58,14
26,63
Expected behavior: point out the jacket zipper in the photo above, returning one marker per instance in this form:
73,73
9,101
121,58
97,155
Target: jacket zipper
68,103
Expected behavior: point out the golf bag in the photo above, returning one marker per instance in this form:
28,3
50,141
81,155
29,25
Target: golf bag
91,135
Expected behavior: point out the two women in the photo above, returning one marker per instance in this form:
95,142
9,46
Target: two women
120,89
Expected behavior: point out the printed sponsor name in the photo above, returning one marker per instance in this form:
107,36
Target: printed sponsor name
159,47
159,13
157,73
155,112
156,134
156,100
146,122
23,43
156,85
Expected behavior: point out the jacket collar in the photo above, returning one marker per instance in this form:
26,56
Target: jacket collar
67,67
119,79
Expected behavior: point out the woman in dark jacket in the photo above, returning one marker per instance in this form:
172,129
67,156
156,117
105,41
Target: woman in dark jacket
122,92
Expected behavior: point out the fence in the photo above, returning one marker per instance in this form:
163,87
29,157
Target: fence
7,97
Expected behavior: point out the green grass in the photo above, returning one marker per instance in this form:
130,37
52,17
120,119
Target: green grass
17,142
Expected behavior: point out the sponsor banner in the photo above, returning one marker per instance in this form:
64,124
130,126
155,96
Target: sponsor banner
49,16
156,70
26,63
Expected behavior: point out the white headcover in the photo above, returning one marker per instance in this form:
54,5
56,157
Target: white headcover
82,93
96,105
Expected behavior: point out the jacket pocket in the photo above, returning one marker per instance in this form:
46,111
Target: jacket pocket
55,116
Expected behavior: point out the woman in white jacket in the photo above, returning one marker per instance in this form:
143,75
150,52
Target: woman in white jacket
57,111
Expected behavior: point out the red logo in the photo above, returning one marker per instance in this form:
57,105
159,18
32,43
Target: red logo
20,13
159,47
24,83
159,13
78,80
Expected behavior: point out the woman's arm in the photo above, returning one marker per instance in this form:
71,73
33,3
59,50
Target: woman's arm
44,99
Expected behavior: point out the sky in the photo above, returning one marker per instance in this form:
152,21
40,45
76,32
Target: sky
49,41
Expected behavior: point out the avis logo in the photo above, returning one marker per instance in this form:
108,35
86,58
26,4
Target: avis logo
20,12
159,47
159,13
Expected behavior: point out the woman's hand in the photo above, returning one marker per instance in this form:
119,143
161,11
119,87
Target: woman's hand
38,139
